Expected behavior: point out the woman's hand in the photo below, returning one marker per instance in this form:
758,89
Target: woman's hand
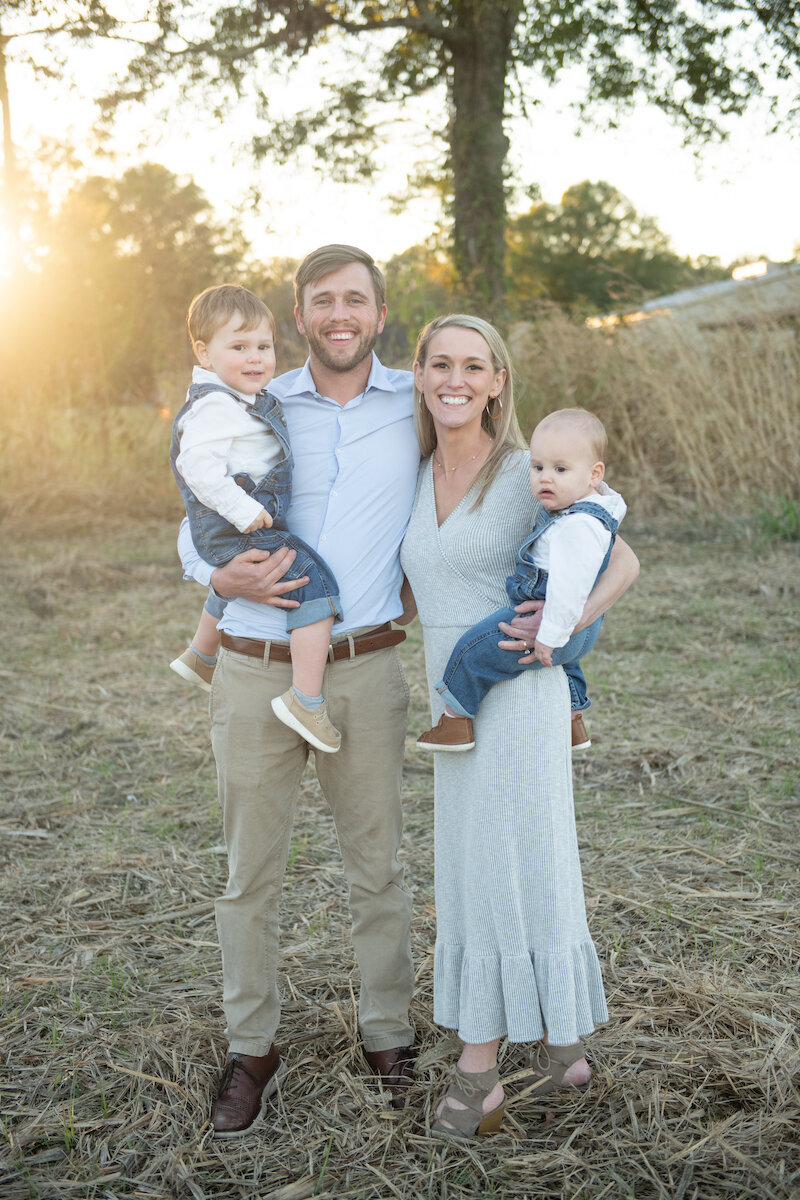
523,629
258,575
409,604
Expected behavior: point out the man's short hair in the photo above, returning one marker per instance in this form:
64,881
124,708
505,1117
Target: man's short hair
322,262
214,307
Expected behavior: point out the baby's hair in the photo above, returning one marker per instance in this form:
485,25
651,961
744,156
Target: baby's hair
585,423
214,307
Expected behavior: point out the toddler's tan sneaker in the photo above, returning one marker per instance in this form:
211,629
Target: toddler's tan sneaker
192,668
313,724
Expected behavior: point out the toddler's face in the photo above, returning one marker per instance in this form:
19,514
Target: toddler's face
244,359
563,469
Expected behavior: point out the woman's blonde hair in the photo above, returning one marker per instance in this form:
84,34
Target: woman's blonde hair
502,426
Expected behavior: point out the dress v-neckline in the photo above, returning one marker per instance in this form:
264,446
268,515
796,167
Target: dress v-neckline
452,513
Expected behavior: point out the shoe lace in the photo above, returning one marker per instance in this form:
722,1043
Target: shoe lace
233,1065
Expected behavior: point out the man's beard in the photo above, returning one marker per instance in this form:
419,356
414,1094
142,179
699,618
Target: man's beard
363,346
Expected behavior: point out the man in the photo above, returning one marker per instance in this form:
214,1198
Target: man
351,427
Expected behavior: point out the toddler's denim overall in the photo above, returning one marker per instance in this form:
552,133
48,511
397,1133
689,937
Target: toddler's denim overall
477,663
217,541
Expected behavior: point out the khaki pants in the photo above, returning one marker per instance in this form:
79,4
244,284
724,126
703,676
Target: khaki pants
259,765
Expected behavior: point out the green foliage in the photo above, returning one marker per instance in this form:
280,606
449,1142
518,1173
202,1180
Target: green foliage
701,64
121,260
35,36
420,284
591,253
779,520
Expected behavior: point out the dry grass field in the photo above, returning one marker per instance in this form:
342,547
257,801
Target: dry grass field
688,821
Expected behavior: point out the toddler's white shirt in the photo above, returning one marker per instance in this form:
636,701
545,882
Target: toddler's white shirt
571,550
220,438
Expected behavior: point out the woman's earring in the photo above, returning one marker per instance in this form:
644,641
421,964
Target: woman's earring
495,416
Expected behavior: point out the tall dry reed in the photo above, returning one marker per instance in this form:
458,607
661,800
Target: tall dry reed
90,466
700,422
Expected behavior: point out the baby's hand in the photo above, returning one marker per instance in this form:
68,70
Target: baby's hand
543,654
262,521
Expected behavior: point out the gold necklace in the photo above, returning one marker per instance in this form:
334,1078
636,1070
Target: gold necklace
442,467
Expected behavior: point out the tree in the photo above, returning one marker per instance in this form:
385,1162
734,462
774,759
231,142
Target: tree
700,61
123,259
420,285
31,35
593,252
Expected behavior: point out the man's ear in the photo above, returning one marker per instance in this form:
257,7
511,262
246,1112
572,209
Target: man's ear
298,320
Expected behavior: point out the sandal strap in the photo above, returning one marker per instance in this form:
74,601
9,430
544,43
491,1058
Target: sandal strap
565,1056
470,1088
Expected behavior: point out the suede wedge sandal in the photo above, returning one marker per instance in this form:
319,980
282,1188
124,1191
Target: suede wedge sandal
470,1088
549,1065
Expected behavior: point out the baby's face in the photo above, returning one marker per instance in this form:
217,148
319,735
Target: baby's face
244,359
563,468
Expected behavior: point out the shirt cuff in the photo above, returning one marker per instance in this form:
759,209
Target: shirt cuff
553,635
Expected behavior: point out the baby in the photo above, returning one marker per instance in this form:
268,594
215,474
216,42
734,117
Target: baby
231,458
568,548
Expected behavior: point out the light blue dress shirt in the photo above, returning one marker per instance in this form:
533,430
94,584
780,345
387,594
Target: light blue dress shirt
353,485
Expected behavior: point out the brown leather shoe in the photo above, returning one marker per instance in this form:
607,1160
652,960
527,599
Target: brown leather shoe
396,1070
453,734
580,738
246,1082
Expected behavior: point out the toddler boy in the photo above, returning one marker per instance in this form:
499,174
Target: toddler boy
232,461
568,548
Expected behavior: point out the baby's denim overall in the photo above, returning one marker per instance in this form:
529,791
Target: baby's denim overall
477,662
217,541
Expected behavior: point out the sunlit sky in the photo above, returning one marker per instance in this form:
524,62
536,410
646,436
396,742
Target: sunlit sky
736,200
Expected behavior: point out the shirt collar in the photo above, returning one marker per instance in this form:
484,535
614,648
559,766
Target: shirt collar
201,375
379,378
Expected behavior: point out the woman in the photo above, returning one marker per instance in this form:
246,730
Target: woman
514,957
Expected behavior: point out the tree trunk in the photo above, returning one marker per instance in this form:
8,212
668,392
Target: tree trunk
11,199
480,54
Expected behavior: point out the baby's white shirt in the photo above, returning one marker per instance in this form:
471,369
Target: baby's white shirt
220,437
571,550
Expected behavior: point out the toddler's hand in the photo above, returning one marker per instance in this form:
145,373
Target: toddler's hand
262,521
543,654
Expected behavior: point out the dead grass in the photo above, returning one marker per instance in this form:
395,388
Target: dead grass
699,424
688,821
697,421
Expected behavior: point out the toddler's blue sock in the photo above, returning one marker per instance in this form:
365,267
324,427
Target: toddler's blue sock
311,702
209,659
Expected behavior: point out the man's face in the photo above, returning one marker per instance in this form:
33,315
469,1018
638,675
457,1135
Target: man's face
340,318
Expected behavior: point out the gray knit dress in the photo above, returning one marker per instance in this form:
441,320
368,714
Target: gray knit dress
514,956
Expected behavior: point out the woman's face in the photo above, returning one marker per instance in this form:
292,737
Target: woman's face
458,377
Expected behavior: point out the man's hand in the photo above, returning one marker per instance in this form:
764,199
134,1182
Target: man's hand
523,629
262,521
258,575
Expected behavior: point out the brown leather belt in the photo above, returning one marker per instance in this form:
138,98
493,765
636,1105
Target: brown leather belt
346,647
